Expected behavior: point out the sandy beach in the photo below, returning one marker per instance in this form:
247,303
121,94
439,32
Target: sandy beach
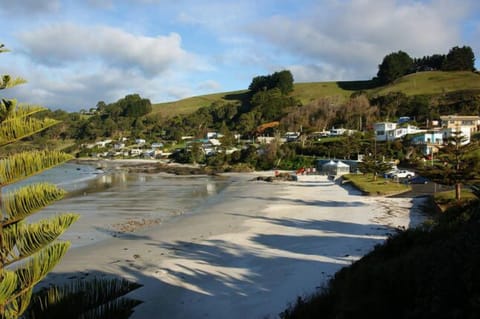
248,253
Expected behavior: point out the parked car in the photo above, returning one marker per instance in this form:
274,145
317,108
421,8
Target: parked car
390,173
418,180
403,173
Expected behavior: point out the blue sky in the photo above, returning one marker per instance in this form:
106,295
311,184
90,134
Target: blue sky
76,53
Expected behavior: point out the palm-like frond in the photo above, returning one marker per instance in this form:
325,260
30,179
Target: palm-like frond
12,130
19,166
7,81
97,298
27,200
30,273
24,240
27,251
10,109
8,284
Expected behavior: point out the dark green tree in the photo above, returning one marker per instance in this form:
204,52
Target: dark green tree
460,59
394,66
135,106
456,164
427,63
282,80
371,165
259,83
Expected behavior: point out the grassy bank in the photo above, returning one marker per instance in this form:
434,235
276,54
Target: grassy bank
379,187
446,200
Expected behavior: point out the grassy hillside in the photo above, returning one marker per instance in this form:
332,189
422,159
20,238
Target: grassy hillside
429,83
191,104
434,82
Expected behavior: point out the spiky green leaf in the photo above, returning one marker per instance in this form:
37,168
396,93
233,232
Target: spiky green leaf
25,240
22,165
8,283
20,127
97,298
37,267
6,81
27,200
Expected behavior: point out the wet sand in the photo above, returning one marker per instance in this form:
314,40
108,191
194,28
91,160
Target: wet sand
245,253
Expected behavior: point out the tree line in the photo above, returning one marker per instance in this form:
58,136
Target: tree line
398,64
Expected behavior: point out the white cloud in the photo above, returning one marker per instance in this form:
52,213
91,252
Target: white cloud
358,34
111,46
153,47
29,7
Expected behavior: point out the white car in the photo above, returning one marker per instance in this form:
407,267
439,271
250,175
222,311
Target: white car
403,173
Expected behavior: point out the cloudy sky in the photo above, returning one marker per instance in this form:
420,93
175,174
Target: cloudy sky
76,53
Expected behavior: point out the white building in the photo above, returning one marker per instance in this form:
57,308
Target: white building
140,141
388,131
157,145
103,143
292,136
135,152
464,122
119,146
432,141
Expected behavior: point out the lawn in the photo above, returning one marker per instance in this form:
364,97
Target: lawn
446,199
380,187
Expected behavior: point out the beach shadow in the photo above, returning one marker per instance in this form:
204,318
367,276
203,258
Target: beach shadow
336,247
224,278
233,268
319,203
327,226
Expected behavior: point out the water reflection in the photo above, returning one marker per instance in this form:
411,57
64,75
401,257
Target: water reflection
211,188
119,197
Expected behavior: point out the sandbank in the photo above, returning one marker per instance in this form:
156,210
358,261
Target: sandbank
248,255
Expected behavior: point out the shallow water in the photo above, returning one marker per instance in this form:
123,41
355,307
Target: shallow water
115,203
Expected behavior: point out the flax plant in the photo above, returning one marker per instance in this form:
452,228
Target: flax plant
28,250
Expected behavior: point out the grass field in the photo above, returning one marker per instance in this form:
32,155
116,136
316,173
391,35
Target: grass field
447,199
380,187
434,82
428,83
190,105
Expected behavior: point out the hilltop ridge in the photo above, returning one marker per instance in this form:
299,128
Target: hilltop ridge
420,83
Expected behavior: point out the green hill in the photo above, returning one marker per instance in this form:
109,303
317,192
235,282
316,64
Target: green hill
431,83
191,104
422,83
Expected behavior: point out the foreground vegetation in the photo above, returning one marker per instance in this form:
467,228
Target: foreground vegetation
29,248
427,272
